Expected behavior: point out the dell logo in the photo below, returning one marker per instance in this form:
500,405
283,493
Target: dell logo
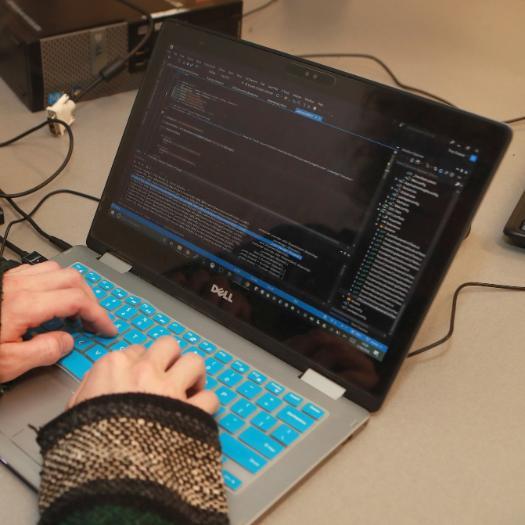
221,292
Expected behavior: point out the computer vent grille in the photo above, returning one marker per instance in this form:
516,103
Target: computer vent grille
71,61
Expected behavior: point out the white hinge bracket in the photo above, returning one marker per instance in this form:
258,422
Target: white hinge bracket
324,385
115,263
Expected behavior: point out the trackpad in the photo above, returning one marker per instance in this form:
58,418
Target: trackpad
26,441
33,402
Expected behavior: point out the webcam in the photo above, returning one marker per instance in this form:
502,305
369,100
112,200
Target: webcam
311,74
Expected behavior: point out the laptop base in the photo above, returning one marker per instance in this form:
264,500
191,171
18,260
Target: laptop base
43,394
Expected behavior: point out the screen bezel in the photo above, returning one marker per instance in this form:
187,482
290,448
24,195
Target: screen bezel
491,137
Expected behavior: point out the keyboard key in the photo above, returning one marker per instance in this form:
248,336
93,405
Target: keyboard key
213,366
231,423
240,367
126,312
119,345
274,388
243,408
147,309
110,303
223,356
148,344
142,322
293,399
225,395
285,435
260,442
176,328
105,341
269,402
257,377
182,344
92,277
121,325
80,268
241,454
119,293
77,364
161,318
313,411
211,383
134,337
99,293
158,331
297,420
231,481
96,352
263,421
249,390
133,300
230,378
195,350
207,347
191,337
106,285
83,343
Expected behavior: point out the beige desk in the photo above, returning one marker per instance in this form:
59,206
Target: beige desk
449,445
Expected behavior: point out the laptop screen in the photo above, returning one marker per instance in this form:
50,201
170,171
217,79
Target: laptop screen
289,196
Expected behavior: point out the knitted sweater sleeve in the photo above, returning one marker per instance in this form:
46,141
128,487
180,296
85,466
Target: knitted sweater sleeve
131,459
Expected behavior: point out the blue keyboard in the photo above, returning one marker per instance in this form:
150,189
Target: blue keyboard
258,418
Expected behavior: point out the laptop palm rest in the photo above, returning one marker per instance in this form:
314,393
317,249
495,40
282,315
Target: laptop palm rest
37,399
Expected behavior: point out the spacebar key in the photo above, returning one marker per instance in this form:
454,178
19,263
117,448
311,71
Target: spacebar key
242,455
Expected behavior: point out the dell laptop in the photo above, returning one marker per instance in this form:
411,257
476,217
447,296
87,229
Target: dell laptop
288,222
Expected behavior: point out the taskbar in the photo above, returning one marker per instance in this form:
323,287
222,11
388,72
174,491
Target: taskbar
357,338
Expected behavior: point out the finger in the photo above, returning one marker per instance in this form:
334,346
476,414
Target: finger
69,303
134,352
54,280
164,352
73,400
42,350
205,400
34,269
189,372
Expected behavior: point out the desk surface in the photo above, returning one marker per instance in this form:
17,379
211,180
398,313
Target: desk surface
448,445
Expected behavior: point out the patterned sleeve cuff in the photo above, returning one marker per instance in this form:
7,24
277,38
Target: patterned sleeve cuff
132,453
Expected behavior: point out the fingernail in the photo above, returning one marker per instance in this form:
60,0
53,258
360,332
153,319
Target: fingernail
66,343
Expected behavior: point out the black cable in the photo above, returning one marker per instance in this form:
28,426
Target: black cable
260,8
57,172
59,243
24,134
116,66
396,81
454,307
14,248
56,241
37,207
394,78
514,120
31,221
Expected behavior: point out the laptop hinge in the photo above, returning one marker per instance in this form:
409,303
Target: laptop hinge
115,263
324,385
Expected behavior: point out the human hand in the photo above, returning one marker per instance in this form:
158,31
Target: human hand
161,370
33,295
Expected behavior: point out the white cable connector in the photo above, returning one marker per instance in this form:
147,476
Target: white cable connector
62,109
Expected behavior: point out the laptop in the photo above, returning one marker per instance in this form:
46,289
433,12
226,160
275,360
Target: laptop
288,222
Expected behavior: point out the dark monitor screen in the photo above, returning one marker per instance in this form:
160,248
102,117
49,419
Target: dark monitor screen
299,205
